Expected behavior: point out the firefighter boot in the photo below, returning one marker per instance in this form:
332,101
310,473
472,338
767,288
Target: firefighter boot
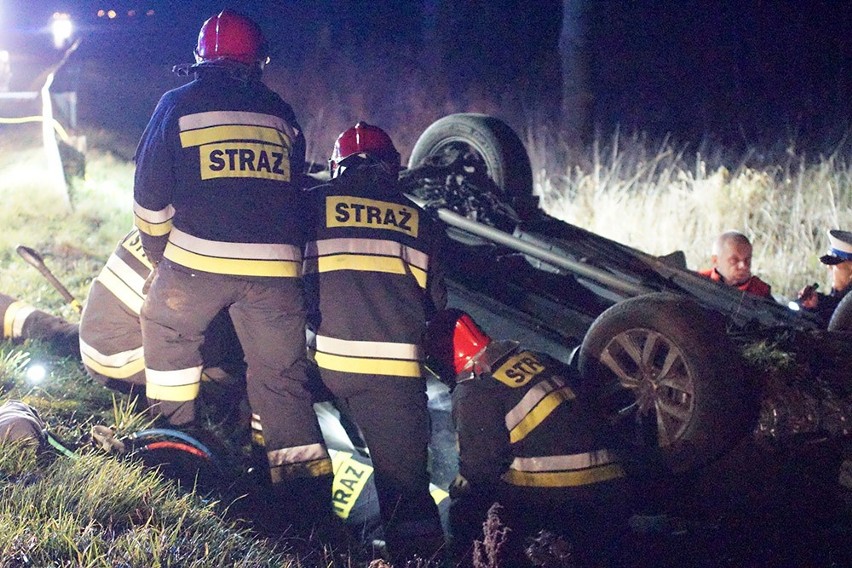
304,510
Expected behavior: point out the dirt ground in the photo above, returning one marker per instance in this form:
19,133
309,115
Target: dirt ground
758,506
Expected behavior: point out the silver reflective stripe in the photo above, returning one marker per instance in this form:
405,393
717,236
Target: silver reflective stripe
115,360
125,273
19,319
531,399
381,247
176,378
155,217
248,251
224,118
373,349
255,422
297,454
564,463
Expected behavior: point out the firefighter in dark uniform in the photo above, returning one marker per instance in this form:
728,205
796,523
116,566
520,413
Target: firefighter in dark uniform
527,443
111,334
217,201
21,321
373,280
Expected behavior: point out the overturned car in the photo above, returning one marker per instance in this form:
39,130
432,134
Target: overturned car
669,357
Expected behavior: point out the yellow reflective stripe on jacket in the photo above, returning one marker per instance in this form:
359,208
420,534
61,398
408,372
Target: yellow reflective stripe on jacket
116,366
177,386
363,263
215,118
379,349
350,478
366,255
123,282
367,357
536,405
365,366
154,223
244,259
579,461
202,136
564,478
14,318
239,144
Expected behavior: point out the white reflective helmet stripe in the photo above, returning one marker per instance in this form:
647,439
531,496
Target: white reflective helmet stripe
14,319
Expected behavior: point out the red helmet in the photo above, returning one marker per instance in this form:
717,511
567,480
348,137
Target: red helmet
230,35
454,340
365,139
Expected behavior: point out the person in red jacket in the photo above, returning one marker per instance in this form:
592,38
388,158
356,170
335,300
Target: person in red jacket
731,260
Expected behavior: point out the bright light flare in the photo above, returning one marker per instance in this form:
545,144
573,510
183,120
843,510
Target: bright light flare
794,306
62,28
36,373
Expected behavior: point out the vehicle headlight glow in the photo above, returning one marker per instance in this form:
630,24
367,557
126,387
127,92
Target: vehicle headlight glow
62,28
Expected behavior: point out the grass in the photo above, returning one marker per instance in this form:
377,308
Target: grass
100,511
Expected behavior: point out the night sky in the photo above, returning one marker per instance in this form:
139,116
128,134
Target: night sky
742,73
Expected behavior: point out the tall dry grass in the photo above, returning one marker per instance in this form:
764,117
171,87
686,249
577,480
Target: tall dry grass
661,198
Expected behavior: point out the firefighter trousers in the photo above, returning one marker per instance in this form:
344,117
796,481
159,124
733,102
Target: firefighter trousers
269,318
22,321
393,417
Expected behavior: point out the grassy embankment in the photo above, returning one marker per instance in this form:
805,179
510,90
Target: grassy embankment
98,511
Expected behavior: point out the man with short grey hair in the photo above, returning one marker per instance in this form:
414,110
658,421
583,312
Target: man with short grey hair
731,264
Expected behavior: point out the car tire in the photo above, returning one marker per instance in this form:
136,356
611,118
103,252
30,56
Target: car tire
841,317
492,142
661,370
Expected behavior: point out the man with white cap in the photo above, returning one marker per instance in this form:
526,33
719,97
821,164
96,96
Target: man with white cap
839,261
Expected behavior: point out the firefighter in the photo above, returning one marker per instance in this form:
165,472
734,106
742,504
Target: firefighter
526,442
731,265
21,321
373,280
217,202
111,334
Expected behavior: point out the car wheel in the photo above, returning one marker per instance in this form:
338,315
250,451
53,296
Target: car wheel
841,317
487,140
668,379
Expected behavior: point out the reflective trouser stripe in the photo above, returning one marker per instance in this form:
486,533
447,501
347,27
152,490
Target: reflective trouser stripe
310,460
116,366
177,386
564,478
14,318
123,282
541,411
